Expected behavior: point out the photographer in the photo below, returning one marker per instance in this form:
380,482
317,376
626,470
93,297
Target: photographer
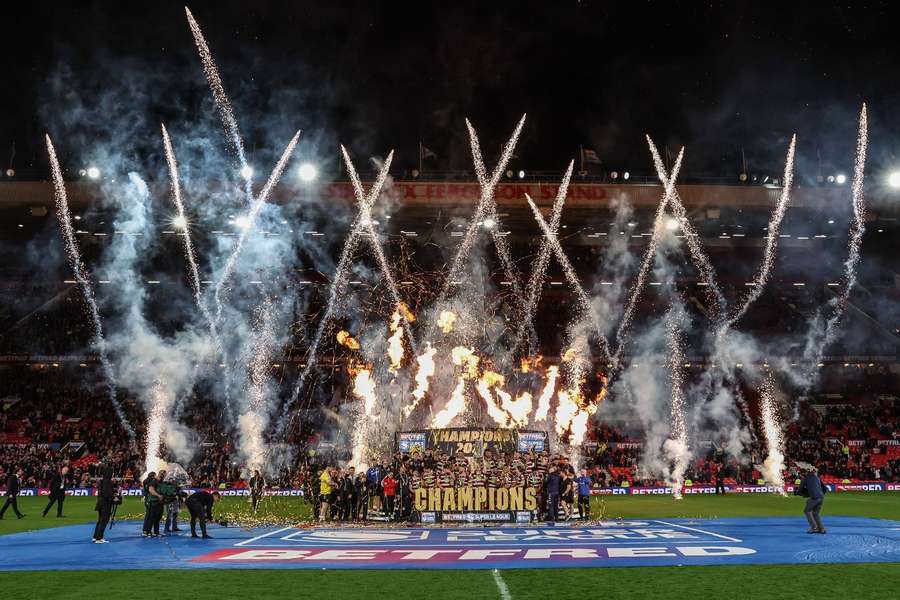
200,506
107,498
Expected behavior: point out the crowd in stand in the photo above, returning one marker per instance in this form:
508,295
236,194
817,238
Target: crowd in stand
50,417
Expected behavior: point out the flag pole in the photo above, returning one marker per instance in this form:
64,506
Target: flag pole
581,158
420,158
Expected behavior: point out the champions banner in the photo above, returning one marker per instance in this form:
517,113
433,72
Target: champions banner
474,499
472,440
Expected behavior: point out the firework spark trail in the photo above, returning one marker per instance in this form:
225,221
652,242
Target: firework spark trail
676,447
539,271
186,239
226,113
490,211
584,302
698,255
647,262
193,273
336,290
75,262
768,263
773,465
486,206
857,229
255,208
366,222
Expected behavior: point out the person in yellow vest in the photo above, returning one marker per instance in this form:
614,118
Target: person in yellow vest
325,484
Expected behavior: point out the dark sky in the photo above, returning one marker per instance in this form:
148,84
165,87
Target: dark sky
718,77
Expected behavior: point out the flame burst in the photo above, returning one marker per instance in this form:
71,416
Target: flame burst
455,406
519,409
546,396
488,381
364,389
446,320
345,339
423,377
395,342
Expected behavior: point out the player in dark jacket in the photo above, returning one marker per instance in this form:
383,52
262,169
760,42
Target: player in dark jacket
57,491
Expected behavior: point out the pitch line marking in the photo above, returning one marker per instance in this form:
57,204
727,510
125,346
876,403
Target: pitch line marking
259,537
501,585
718,535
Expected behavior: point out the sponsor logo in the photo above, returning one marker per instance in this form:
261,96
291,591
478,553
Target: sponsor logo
359,536
860,487
476,517
468,555
617,532
292,493
650,491
523,516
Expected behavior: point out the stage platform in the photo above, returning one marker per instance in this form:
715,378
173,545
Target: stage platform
650,542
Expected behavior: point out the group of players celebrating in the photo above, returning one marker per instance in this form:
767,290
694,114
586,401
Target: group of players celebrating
388,487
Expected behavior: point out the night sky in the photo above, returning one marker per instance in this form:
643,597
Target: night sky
718,77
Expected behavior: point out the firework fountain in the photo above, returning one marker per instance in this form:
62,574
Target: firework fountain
676,447
773,465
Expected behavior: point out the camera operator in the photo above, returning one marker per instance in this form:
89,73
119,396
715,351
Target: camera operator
171,499
200,506
152,505
107,499
57,491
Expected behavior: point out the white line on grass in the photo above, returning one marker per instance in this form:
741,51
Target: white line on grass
259,537
501,585
718,535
